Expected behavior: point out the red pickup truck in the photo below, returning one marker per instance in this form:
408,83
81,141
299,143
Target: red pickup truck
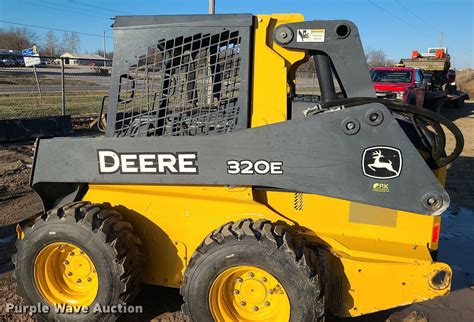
403,84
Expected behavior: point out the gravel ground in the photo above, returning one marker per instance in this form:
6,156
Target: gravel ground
17,202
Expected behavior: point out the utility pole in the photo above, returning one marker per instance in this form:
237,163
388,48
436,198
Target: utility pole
212,7
104,49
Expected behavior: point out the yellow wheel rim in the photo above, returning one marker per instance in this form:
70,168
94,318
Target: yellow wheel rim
65,274
248,293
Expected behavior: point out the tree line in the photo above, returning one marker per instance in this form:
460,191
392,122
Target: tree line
18,38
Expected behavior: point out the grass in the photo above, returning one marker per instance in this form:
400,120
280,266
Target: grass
43,80
21,105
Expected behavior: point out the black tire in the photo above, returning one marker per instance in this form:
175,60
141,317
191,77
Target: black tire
438,106
271,247
103,235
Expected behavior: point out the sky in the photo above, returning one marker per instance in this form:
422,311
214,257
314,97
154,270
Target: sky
395,26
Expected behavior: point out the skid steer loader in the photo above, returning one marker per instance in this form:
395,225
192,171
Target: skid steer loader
214,177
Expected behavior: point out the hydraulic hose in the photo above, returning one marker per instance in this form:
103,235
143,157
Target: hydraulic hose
420,119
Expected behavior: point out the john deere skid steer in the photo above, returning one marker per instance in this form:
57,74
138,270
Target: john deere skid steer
214,177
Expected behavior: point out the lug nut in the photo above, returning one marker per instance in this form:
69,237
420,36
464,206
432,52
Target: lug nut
264,279
239,280
255,308
81,252
89,279
71,253
251,275
61,247
236,292
266,303
65,262
277,289
69,273
242,303
79,280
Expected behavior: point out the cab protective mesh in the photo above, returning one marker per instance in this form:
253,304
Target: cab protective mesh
182,86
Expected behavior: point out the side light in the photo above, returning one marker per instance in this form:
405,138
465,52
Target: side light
435,234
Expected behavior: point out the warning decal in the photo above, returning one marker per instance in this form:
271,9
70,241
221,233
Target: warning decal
310,35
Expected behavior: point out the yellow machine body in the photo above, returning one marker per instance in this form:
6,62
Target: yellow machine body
366,247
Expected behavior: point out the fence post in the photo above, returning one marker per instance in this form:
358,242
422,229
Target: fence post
37,81
104,51
63,94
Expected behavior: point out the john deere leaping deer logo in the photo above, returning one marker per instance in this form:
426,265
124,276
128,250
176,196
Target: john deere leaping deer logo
382,162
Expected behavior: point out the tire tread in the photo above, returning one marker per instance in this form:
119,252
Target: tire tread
108,225
262,231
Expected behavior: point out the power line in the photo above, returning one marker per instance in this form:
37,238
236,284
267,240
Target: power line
76,9
390,13
63,10
98,7
414,14
411,12
55,29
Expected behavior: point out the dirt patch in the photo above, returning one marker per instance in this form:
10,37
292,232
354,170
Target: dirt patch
15,164
460,183
8,295
468,87
19,208
465,81
160,304
413,316
17,200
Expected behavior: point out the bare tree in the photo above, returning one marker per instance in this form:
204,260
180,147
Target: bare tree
70,42
17,38
74,42
378,58
50,46
65,43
